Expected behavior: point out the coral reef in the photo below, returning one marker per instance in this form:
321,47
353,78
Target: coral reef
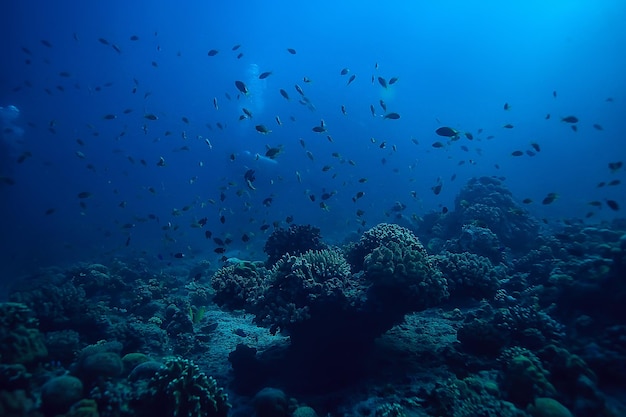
470,275
234,284
20,340
181,389
295,240
299,287
486,201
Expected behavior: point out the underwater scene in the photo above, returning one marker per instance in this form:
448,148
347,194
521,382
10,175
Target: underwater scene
300,209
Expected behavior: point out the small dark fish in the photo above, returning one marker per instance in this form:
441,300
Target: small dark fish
550,198
213,52
235,47
267,202
447,132
264,227
372,110
438,144
245,238
103,41
50,211
352,78
357,196
437,188
527,201
185,120
284,94
344,71
319,129
554,94
535,146
382,105
84,194
506,106
46,43
116,48
299,90
262,129
615,166
548,116
241,87
218,241
264,75
134,38
25,155
109,117
291,51
469,136
219,251
272,153
127,241
601,184
179,255
393,80
612,205
391,116
382,82
530,153
150,116
598,127
208,234
222,219
508,126
517,153
444,210
343,110
574,128
570,119
614,182
289,219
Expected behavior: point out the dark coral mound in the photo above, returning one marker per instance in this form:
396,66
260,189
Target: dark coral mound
486,201
487,206
295,240
332,315
470,275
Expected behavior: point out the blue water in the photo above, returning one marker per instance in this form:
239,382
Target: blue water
457,65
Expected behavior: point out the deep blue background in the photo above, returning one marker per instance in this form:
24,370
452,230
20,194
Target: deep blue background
457,63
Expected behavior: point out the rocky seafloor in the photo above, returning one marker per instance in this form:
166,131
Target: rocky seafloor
482,311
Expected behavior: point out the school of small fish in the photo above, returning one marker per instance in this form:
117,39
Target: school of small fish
205,135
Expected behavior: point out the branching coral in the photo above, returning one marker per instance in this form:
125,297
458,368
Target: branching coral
180,389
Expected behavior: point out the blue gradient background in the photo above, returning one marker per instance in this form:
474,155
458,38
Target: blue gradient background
458,62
